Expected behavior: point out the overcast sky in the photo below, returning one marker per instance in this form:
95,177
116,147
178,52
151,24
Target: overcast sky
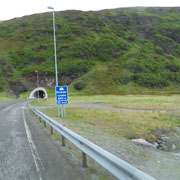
17,8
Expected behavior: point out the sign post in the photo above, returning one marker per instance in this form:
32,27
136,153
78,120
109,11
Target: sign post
62,98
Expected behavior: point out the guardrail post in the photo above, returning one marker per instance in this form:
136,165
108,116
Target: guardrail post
40,119
63,141
84,160
52,130
44,123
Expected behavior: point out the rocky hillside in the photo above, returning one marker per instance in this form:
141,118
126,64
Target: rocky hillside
99,52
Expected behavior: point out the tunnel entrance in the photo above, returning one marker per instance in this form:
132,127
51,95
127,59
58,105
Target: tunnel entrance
38,93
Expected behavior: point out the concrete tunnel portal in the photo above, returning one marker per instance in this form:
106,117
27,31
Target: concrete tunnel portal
39,92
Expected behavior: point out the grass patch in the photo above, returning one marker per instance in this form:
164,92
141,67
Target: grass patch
139,123
92,170
6,97
150,102
24,95
128,124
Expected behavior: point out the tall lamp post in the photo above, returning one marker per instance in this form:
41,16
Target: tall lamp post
55,56
37,83
50,7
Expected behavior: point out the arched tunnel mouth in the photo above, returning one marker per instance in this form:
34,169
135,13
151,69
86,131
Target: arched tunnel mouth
39,94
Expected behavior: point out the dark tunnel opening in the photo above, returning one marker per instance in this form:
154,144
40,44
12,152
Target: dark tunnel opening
40,94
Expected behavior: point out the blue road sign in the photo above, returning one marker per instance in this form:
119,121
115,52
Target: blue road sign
61,95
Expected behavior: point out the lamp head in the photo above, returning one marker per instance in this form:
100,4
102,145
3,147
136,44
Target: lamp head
50,7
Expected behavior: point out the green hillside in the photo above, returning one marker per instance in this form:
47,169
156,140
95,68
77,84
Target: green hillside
109,51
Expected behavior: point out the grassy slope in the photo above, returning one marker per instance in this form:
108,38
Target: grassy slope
120,51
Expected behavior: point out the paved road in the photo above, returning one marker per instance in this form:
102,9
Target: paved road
27,152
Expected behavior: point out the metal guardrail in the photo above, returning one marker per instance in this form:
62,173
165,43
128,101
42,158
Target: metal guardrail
117,167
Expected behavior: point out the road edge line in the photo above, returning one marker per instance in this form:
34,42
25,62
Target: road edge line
32,146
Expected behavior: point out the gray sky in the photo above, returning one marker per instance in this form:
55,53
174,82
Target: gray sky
17,8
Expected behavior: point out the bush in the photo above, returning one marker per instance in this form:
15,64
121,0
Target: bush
152,80
124,79
80,84
158,50
109,47
177,77
3,84
73,66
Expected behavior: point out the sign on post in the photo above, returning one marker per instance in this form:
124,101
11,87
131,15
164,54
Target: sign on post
61,95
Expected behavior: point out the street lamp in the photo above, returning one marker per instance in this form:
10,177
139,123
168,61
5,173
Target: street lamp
37,83
52,8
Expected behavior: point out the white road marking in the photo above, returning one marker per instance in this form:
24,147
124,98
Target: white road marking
32,146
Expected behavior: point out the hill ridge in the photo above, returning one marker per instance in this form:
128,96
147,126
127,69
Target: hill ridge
137,48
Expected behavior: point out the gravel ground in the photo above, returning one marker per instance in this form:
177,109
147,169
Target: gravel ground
101,106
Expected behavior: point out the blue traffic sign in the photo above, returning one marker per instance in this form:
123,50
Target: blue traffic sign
61,95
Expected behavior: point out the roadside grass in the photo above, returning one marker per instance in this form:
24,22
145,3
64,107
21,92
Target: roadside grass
127,124
132,122
144,102
6,97
24,95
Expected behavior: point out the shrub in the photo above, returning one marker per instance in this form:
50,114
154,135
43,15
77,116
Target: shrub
158,50
73,66
177,77
104,49
3,82
152,80
78,85
124,79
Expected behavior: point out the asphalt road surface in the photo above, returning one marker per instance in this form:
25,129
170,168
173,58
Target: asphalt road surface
27,152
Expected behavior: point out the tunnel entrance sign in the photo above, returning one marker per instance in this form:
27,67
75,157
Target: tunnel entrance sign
61,95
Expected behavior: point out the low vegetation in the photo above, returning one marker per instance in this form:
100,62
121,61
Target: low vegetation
112,51
119,123
6,97
130,116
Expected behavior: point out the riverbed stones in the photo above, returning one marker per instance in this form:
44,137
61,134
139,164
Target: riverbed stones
143,143
168,140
